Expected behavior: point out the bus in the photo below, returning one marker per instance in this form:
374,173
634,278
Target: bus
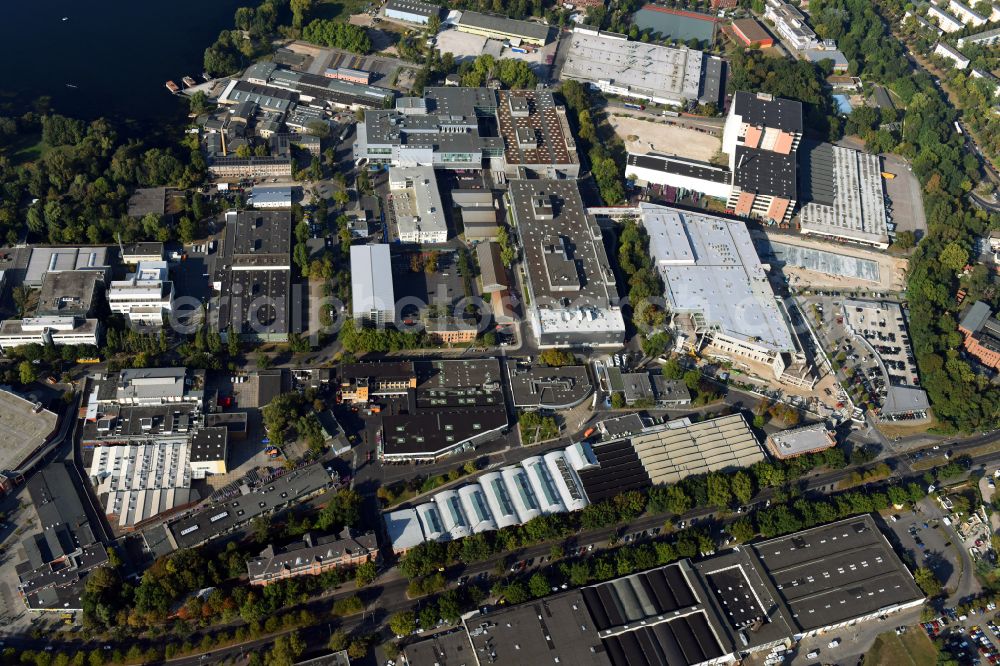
958,128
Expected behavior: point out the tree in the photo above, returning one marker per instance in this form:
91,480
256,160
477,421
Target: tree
300,10
286,651
27,373
538,585
556,358
365,573
742,530
954,257
742,486
719,492
338,641
22,298
618,400
927,581
232,342
692,379
403,623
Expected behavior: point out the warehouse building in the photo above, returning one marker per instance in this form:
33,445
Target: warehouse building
574,301
440,129
411,11
659,74
144,297
536,135
416,203
718,292
511,495
45,260
751,33
502,28
253,273
843,195
372,298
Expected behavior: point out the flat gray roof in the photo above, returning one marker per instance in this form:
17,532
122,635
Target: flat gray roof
504,25
709,266
535,386
26,427
371,278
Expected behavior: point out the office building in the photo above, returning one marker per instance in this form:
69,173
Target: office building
982,334
574,300
761,138
843,196
441,129
944,20
791,24
536,135
252,278
800,441
718,293
502,28
64,314
678,172
134,253
235,168
411,11
372,298
416,204
145,296
538,387
210,444
642,71
511,495
952,55
312,556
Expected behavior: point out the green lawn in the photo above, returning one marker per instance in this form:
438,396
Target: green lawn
27,148
911,649
338,9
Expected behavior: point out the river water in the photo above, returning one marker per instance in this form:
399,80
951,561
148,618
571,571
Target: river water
117,53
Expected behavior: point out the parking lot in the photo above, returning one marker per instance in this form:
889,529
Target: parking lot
883,327
906,204
443,288
927,543
465,46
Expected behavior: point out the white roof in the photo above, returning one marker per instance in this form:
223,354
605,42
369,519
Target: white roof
403,529
371,278
416,201
709,266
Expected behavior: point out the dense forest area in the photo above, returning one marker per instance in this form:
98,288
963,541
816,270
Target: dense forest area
962,399
66,181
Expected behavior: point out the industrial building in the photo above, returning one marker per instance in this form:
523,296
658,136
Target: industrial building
718,293
761,138
57,558
478,213
144,297
46,260
372,298
134,253
416,203
642,71
511,495
411,11
440,129
537,387
791,24
253,273
502,28
749,603
574,300
536,135
800,441
843,195
312,556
